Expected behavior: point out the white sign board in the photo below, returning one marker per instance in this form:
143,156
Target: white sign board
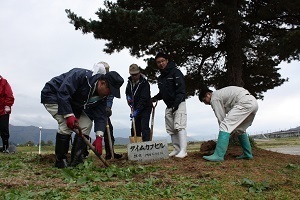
148,151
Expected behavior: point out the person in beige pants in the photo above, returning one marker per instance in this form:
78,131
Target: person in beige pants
171,86
235,109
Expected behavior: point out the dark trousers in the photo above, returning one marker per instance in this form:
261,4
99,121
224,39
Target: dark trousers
106,140
142,125
4,130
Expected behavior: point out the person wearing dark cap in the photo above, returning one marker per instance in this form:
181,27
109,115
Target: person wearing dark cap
139,99
172,91
79,97
235,109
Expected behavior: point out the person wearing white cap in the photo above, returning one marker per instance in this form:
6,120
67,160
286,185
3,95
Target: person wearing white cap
103,68
79,97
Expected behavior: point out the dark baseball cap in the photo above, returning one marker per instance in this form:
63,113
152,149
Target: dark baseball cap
203,93
115,81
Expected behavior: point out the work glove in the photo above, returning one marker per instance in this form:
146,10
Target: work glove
129,100
108,111
98,144
134,114
154,99
7,109
71,121
174,108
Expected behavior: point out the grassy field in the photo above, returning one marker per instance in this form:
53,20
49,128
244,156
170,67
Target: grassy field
279,142
270,175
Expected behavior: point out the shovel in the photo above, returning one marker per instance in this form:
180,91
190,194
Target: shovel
135,138
152,119
90,145
109,139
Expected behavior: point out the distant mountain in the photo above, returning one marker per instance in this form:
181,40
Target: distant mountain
24,134
295,129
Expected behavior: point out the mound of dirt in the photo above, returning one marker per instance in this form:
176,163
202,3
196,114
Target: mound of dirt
194,165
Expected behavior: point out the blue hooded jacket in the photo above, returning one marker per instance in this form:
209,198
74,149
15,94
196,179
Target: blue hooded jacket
72,91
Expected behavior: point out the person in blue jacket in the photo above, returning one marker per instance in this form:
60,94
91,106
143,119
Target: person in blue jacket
139,99
79,97
171,85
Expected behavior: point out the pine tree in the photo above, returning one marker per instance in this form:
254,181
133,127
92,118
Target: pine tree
218,42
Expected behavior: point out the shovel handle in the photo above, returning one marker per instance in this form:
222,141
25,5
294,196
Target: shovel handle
109,139
87,142
134,130
133,125
152,119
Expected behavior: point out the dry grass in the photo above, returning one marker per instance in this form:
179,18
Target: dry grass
269,175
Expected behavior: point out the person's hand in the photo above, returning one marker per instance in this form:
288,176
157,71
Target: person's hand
129,100
98,144
108,111
174,108
7,109
154,99
134,114
71,121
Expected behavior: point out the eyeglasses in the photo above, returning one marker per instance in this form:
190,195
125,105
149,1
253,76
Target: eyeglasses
158,61
134,74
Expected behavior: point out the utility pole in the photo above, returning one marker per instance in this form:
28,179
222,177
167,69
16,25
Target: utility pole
40,139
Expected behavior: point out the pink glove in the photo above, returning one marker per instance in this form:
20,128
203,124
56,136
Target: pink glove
98,144
71,121
7,109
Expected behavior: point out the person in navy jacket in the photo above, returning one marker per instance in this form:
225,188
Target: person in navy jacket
79,96
139,99
171,85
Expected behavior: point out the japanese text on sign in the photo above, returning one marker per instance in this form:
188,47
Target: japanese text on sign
148,151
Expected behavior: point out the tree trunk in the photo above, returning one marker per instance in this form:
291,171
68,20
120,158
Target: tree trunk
232,30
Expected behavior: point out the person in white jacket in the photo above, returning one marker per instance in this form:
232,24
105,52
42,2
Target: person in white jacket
235,109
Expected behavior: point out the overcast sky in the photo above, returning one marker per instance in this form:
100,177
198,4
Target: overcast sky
37,43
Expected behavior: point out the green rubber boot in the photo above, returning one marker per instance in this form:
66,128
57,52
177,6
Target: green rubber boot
245,143
221,148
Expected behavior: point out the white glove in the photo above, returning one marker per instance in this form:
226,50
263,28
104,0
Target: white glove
6,109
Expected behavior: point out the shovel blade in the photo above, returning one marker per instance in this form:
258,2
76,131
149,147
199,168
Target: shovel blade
132,139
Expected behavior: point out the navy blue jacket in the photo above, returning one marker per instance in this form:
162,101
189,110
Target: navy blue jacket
72,92
140,93
171,86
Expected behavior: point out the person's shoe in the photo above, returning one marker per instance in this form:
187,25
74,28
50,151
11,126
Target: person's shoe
245,143
182,144
61,150
221,148
5,151
175,142
77,152
61,163
118,156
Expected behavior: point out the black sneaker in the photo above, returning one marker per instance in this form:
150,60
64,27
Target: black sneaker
118,156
